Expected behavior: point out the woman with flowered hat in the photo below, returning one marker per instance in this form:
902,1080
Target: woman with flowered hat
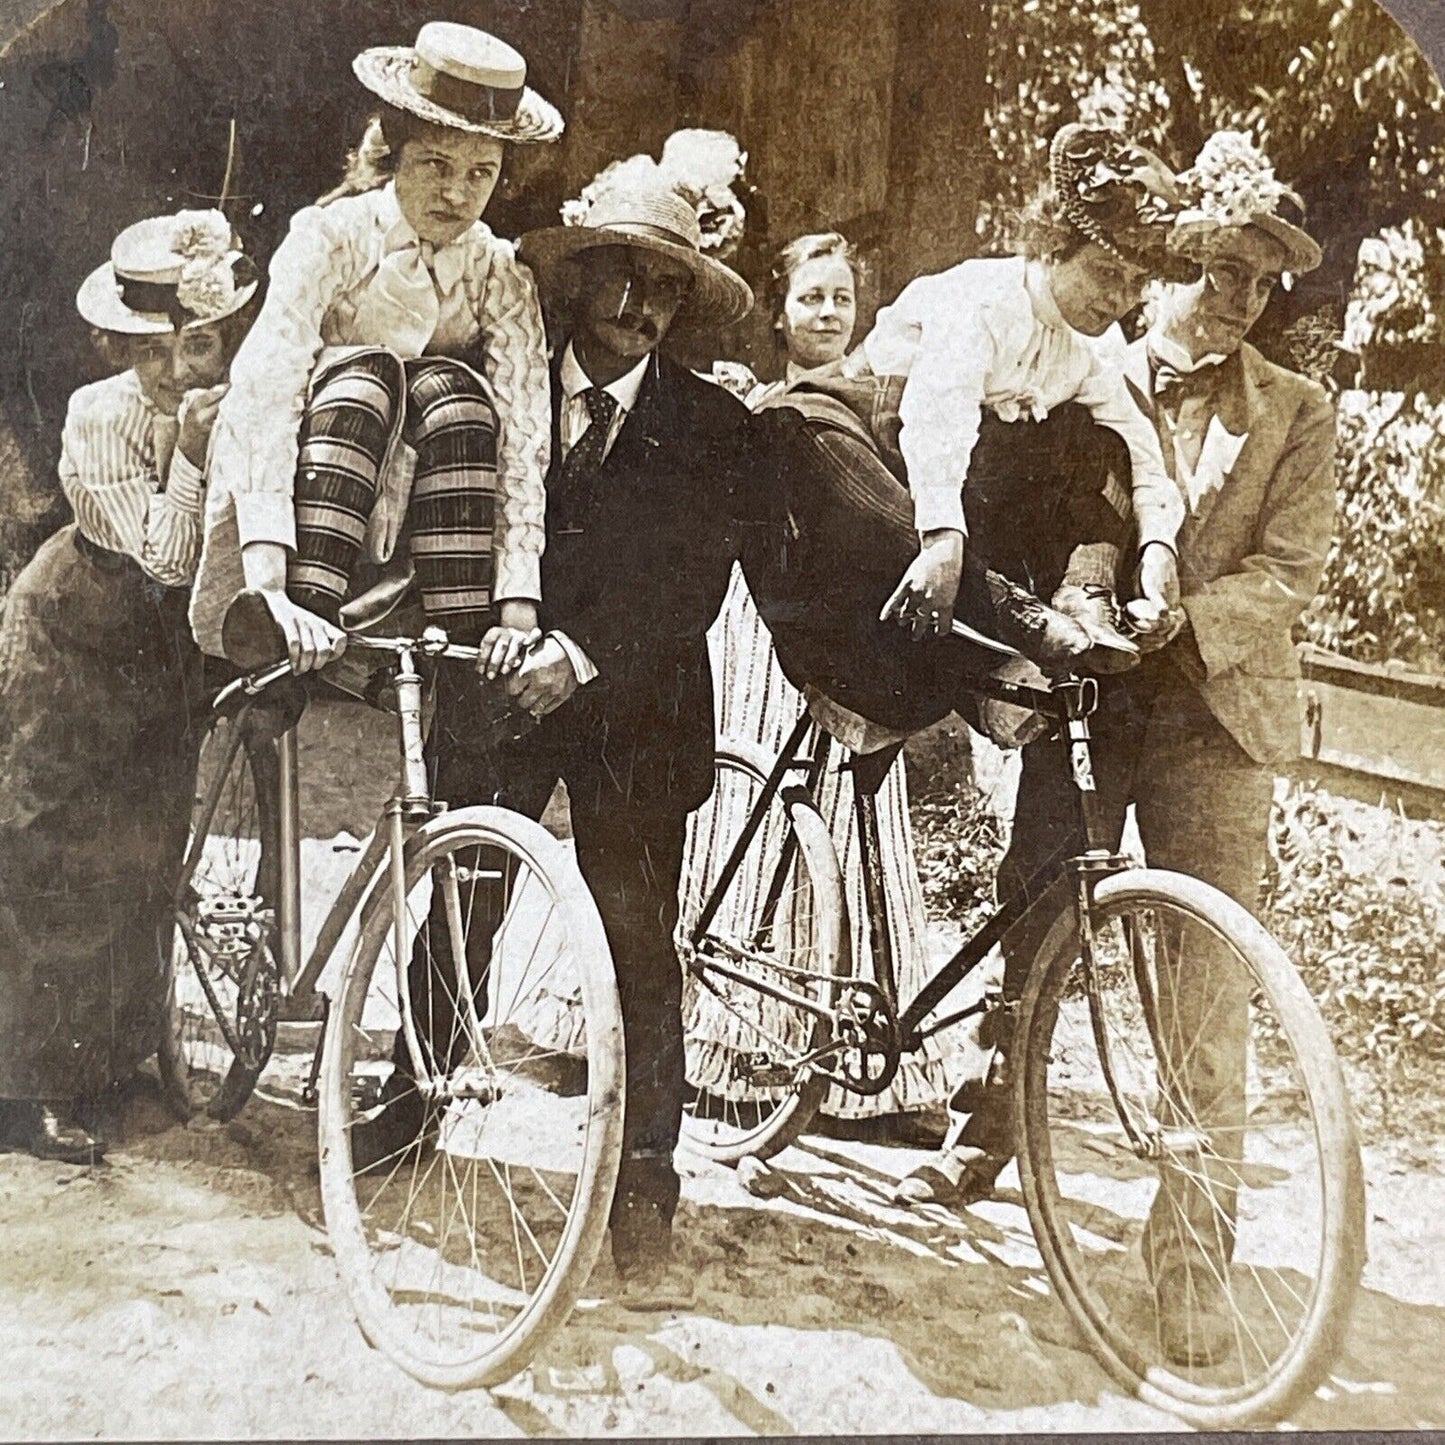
993,414
393,397
98,679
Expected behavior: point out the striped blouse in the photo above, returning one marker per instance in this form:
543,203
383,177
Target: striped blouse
319,274
110,476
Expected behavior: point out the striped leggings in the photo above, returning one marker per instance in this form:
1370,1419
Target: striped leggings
445,415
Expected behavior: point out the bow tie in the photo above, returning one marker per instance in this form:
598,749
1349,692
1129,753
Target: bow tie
400,307
1174,386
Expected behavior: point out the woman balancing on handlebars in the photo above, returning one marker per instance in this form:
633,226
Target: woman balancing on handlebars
1017,430
354,428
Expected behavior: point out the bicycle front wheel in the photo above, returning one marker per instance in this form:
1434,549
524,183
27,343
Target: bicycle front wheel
1189,1159
464,1247
219,944
781,923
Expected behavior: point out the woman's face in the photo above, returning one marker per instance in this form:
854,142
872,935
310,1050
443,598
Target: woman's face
444,181
170,366
819,311
1094,288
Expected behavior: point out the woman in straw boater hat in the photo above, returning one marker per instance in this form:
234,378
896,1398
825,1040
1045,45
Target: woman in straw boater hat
355,426
98,678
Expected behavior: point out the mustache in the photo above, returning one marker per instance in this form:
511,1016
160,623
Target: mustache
644,326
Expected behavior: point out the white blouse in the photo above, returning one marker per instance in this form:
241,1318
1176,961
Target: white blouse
112,449
318,277
989,333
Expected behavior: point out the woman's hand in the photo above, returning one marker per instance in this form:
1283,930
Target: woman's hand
923,600
1156,615
505,647
311,641
198,416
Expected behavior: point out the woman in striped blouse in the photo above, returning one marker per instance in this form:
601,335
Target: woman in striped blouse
98,679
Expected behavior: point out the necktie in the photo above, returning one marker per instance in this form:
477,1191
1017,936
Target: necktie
165,430
400,308
590,449
1173,387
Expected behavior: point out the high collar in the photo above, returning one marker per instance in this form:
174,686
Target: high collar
448,262
623,391
1041,297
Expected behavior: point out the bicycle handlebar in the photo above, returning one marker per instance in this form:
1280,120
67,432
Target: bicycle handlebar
432,643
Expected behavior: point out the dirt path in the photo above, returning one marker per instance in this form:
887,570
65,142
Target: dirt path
186,1289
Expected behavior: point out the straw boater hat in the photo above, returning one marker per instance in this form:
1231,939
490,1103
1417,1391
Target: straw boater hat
459,76
1120,195
638,205
1231,186
167,273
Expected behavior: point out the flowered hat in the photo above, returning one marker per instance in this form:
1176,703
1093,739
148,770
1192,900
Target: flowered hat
1232,185
1120,195
167,273
462,77
683,207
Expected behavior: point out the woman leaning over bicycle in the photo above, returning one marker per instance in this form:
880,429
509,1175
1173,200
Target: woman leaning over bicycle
98,683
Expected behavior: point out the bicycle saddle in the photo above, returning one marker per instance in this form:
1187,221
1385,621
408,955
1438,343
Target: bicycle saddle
391,603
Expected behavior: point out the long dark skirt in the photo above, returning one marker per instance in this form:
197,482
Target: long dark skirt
98,681
1035,491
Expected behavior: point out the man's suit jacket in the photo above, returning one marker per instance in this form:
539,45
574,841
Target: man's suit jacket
1252,549
637,563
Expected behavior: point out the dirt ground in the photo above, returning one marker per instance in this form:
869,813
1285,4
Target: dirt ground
185,1289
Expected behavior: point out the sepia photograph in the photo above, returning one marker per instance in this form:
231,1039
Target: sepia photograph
721,717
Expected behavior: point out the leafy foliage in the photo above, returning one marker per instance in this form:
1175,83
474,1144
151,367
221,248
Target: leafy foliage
1383,594
1367,942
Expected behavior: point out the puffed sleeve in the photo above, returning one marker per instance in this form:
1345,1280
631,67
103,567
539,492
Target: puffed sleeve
936,334
254,450
514,358
107,472
1158,504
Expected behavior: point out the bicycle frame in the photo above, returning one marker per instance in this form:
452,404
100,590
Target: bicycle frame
1071,702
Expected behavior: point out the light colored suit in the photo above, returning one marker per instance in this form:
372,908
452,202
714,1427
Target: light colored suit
1252,547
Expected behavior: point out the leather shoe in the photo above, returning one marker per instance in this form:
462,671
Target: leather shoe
1095,608
379,1143
39,1130
955,1178
651,1286
1042,634
1192,1307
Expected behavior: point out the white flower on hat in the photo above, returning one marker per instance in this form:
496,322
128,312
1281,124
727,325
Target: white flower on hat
1232,182
636,172
207,286
704,166
201,234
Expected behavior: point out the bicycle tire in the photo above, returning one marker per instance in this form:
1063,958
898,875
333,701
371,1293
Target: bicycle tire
358,1209
1304,1358
246,810
766,1124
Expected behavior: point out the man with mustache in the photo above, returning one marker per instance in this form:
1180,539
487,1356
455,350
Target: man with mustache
1193,736
649,497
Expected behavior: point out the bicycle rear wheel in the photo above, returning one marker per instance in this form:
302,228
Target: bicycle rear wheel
1203,1219
782,922
462,1250
219,944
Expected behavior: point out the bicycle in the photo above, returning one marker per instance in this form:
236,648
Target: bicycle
461,1252
1103,1082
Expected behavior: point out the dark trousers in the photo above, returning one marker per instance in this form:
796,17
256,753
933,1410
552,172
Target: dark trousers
1035,492
1203,807
631,861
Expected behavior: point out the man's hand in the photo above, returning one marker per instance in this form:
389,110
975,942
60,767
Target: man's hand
311,641
199,417
545,679
504,648
923,600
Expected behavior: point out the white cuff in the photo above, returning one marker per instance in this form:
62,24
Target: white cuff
938,508
186,485
265,517
518,577
581,663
